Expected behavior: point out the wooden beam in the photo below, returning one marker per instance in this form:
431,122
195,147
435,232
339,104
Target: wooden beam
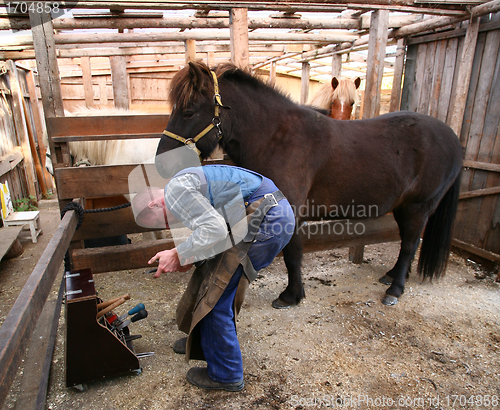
87,82
119,81
483,253
20,122
315,237
463,78
376,56
18,326
304,83
397,77
485,166
107,125
10,160
190,51
480,192
336,65
238,26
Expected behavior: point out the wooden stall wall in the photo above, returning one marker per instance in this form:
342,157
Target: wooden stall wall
429,87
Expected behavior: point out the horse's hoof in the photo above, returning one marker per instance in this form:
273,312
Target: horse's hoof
389,300
386,280
279,304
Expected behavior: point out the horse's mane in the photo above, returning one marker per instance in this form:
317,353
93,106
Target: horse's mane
345,91
184,88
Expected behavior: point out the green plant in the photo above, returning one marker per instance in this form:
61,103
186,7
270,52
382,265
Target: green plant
25,204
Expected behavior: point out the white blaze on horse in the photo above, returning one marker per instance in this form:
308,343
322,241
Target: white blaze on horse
338,98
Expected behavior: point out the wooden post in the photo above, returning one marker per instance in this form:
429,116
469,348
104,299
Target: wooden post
48,72
87,82
398,76
272,74
119,81
190,51
304,82
376,56
210,59
42,149
20,122
464,73
336,65
238,27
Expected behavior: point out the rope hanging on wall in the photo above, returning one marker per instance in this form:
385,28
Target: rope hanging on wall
75,206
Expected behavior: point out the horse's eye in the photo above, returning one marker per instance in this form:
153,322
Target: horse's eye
188,114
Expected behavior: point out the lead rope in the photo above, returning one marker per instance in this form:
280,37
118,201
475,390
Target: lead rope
80,212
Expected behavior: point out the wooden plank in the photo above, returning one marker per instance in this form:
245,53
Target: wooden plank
8,235
409,77
35,381
485,166
119,80
9,161
397,76
437,78
480,192
107,125
376,56
238,29
448,74
87,82
304,82
20,122
18,326
190,51
463,78
419,76
315,237
476,250
427,79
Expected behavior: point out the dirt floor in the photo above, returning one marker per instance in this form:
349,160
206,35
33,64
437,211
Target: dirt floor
438,348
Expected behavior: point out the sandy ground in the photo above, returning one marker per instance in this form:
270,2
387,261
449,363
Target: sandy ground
438,348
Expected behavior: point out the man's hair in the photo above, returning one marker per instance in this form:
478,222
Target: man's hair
141,200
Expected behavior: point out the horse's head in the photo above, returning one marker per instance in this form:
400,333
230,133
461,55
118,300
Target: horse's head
195,118
343,98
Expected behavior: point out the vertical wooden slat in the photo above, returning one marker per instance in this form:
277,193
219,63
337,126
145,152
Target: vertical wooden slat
448,74
463,77
190,45
398,76
238,28
337,65
437,77
210,59
304,82
119,81
87,82
20,122
426,84
376,56
419,76
409,77
272,74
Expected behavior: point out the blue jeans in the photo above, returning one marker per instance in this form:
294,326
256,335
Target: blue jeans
218,329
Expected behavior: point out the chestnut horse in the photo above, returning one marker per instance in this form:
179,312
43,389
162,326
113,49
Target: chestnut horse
403,162
337,97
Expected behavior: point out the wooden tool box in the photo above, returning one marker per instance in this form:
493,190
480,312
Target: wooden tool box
93,348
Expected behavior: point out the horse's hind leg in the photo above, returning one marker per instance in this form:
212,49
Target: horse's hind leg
294,292
411,221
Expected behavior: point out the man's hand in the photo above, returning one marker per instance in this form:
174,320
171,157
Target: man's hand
168,261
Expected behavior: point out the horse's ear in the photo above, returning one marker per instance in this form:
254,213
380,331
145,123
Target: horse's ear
335,83
196,74
357,82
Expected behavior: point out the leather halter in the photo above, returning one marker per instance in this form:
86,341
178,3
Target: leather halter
191,142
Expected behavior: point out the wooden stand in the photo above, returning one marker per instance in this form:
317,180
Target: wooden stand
93,349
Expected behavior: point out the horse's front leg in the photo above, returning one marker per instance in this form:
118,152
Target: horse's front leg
294,292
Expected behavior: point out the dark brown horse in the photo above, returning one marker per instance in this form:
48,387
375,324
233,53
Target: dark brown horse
403,162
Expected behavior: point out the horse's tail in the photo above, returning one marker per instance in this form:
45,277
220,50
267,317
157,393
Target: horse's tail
438,234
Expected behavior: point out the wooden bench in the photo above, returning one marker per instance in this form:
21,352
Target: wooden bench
10,246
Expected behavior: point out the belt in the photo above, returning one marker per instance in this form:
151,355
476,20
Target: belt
270,201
